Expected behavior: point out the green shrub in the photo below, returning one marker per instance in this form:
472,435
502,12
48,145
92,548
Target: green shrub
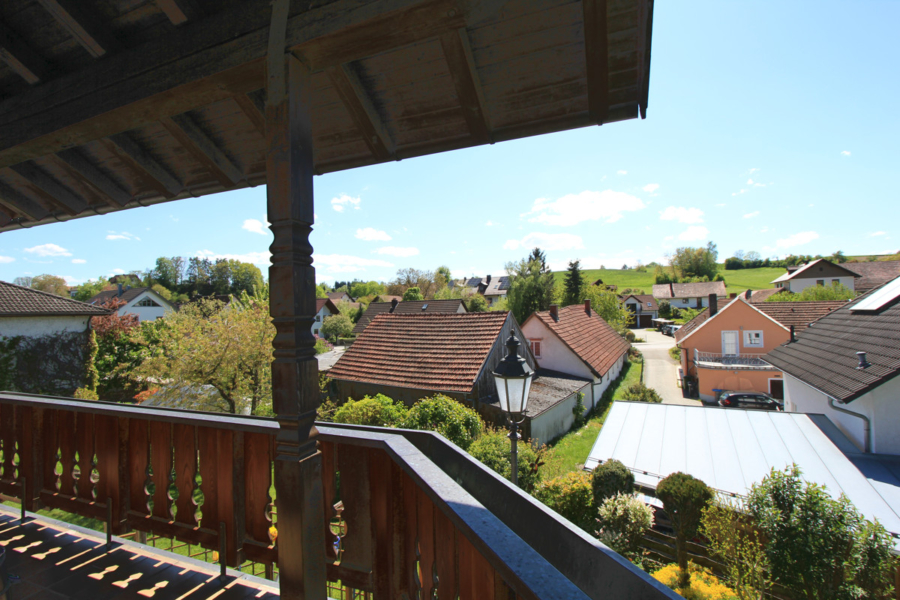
578,411
638,392
609,479
629,335
675,353
85,394
734,539
623,520
379,411
665,309
635,356
571,496
492,449
684,499
458,423
337,326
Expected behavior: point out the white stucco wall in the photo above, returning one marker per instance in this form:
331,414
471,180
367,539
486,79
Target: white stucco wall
556,421
146,313
40,326
880,405
801,283
687,302
320,318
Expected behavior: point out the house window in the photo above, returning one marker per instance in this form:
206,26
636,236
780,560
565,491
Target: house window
318,318
147,302
535,348
820,282
753,339
835,281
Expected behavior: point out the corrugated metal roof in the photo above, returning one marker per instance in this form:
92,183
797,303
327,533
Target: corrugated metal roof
731,449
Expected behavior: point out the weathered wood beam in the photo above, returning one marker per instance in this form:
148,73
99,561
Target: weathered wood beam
21,58
5,218
596,44
188,133
83,27
21,203
125,146
180,11
459,57
253,111
61,195
91,175
644,54
357,102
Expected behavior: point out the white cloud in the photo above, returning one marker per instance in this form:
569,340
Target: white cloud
877,233
622,172
750,215
370,234
845,153
764,230
48,250
754,170
78,261
6,259
694,233
572,209
396,251
118,271
72,280
739,193
749,182
256,258
339,203
122,235
798,239
489,224
546,241
255,226
721,204
342,263
681,214
651,187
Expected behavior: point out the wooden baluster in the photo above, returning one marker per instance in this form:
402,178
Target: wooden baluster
353,465
8,436
106,446
236,523
410,534
65,425
138,465
50,452
329,493
425,533
476,576
84,446
257,480
384,490
28,423
445,555
161,462
185,473
208,442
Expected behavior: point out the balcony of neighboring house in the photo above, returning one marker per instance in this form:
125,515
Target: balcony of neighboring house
404,514
731,362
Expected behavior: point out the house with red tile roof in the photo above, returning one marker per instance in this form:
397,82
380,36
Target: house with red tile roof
325,307
644,309
575,340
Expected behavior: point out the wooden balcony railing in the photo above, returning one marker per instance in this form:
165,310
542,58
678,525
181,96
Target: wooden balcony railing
407,514
730,361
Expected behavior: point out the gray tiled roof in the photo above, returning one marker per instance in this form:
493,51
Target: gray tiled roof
411,307
127,295
689,290
873,274
16,300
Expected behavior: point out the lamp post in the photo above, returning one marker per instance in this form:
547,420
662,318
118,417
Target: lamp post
513,379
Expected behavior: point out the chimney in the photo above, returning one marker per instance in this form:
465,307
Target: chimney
713,305
119,293
487,280
749,293
394,304
863,363
793,339
732,296
587,306
554,312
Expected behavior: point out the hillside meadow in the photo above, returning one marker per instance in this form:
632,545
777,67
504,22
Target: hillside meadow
735,281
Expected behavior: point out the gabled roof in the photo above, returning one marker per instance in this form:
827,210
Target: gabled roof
320,302
386,298
758,296
498,286
588,336
873,274
339,295
648,302
806,271
439,352
411,307
18,301
689,290
824,356
128,295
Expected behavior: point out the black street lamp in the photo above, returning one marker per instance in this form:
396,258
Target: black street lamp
513,379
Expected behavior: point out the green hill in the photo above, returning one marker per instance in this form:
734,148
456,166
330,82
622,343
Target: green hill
735,281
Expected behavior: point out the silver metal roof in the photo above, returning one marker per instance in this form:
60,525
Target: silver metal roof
731,449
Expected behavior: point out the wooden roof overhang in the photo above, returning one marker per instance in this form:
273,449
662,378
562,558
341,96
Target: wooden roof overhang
113,104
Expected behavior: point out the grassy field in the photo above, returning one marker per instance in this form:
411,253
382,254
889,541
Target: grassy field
571,450
735,281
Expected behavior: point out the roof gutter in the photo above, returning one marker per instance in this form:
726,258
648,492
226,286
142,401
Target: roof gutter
867,423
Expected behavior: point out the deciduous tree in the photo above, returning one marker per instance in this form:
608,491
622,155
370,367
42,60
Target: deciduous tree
412,294
51,284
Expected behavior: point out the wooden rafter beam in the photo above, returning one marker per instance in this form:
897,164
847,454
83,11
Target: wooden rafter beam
82,168
21,58
179,11
193,139
83,27
21,203
596,48
253,110
5,218
459,57
358,103
60,194
124,146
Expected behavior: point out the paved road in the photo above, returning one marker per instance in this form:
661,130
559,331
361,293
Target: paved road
660,371
327,360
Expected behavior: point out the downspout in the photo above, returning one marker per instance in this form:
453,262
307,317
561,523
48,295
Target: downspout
867,424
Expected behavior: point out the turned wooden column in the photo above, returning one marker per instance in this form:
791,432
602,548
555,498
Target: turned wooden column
295,371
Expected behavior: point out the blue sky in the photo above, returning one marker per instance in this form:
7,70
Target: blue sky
772,126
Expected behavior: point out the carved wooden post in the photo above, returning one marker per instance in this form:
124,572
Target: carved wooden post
295,390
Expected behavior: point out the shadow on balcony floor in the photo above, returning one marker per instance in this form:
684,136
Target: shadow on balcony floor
49,560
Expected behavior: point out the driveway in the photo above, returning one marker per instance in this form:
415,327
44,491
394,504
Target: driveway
327,360
660,371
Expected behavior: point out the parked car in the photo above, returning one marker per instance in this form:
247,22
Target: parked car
756,400
670,329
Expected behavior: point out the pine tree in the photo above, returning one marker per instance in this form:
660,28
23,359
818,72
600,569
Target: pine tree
574,286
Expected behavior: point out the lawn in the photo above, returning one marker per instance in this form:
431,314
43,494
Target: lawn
735,281
571,451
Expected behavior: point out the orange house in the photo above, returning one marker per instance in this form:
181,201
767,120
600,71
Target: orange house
723,348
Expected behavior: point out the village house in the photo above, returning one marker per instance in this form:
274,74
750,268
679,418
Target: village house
846,368
818,272
689,295
724,349
495,288
575,340
395,306
140,301
873,274
340,297
644,308
324,308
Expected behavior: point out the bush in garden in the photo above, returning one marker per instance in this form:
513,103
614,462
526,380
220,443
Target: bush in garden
638,392
492,449
819,547
703,584
623,520
323,345
571,496
611,478
379,411
459,424
733,538
665,310
337,326
578,411
684,499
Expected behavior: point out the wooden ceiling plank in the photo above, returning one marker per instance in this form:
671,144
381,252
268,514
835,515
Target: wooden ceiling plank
141,159
5,218
84,28
21,58
180,11
459,57
252,111
93,176
186,131
60,194
596,44
356,99
21,203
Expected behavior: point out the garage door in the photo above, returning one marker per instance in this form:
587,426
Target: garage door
644,321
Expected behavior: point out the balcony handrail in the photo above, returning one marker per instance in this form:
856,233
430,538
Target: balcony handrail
719,355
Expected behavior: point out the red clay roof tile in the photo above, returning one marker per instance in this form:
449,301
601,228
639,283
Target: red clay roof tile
590,337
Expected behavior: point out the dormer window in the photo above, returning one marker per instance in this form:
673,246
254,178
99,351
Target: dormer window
148,302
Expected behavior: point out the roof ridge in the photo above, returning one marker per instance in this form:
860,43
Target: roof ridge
48,294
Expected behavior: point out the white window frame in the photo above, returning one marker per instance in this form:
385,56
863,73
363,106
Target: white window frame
535,347
748,335
737,343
